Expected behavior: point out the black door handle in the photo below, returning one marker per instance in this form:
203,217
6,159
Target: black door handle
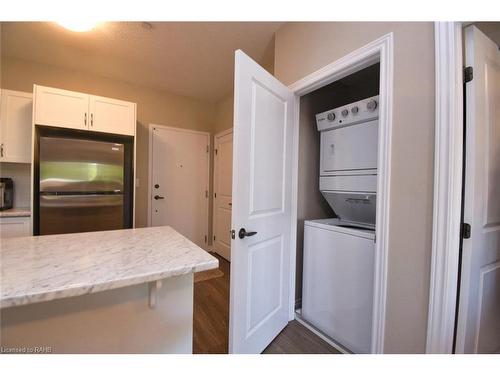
158,197
243,233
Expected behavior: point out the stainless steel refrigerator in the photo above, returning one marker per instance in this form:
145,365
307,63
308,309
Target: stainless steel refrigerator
83,184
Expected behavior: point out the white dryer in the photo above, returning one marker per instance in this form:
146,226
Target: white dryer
337,293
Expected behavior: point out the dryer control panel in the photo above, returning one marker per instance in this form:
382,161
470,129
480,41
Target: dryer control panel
350,114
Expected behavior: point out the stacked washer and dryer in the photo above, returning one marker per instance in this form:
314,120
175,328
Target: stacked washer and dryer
339,253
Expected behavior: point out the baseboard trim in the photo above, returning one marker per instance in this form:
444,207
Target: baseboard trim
320,334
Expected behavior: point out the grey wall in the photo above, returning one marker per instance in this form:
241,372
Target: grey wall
302,48
310,202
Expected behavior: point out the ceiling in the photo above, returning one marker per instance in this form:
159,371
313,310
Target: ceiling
491,29
194,59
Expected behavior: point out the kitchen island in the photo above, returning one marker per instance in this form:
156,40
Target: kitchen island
122,291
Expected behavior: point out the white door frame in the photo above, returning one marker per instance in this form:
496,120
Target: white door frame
381,50
150,169
447,187
214,211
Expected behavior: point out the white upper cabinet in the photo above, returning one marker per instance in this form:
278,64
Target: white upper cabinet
61,108
111,115
15,126
69,109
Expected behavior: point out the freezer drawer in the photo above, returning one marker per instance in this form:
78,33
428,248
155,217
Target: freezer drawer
350,148
80,213
337,291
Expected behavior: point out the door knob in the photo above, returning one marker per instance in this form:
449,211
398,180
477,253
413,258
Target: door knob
243,233
158,197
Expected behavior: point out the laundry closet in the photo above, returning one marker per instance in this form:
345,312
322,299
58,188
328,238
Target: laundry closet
336,209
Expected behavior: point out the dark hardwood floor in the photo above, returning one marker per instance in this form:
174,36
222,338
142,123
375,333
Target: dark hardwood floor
211,323
211,313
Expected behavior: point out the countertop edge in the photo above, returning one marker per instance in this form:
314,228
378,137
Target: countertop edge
16,212
104,286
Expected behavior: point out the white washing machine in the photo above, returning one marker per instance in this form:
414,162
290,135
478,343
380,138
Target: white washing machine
337,291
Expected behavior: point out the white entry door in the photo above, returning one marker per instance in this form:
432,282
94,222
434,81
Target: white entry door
179,181
479,305
223,182
262,186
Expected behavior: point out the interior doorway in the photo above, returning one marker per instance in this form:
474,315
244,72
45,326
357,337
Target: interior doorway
223,182
464,302
179,178
478,311
264,217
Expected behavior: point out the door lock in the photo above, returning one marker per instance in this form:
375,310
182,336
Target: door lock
233,234
243,233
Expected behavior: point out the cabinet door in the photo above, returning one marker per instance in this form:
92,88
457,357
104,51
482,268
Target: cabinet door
15,126
61,108
111,115
14,227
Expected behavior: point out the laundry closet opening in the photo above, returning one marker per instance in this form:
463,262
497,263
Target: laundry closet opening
336,208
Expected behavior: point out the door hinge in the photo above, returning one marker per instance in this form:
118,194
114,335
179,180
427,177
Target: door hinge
466,230
468,74
233,234
206,193
214,238
215,195
215,151
208,148
205,238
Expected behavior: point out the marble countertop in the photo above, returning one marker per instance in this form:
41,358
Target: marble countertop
16,212
44,268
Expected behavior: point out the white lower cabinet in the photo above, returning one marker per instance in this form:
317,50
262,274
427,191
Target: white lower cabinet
15,227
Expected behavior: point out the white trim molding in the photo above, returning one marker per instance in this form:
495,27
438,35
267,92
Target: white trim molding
379,50
448,157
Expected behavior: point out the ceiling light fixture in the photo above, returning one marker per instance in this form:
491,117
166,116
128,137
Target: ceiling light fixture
78,26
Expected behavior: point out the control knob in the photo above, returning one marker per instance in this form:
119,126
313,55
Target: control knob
331,116
355,109
345,112
371,105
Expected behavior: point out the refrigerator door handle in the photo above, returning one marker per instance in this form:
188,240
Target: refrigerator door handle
85,200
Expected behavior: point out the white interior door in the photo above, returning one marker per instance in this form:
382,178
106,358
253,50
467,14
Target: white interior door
479,304
262,181
179,181
223,182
